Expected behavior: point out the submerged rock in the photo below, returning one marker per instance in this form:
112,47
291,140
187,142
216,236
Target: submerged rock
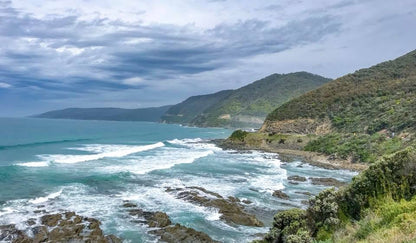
231,209
297,178
65,227
280,194
327,182
179,233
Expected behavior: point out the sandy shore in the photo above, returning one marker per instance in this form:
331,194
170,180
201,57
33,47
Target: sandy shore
312,158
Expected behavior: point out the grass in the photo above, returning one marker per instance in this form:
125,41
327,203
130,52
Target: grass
357,147
389,221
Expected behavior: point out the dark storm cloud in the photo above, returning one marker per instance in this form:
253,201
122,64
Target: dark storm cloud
78,57
165,52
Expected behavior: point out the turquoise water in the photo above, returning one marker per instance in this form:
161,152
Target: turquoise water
92,167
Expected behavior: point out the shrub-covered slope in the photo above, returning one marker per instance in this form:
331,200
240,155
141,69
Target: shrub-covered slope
378,206
369,100
109,114
187,110
246,106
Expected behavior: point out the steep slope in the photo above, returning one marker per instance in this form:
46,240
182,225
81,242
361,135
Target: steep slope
189,109
250,104
378,206
109,114
246,106
367,101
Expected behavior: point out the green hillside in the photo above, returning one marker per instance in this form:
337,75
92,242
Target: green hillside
244,107
378,206
368,116
186,111
109,114
369,100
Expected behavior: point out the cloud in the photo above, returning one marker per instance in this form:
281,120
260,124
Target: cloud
95,52
4,85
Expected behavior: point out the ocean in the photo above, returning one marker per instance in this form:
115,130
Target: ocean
93,167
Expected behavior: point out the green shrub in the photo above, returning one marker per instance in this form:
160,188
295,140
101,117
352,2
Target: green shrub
238,135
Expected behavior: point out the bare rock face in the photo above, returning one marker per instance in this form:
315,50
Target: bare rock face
327,182
179,233
232,209
280,194
152,219
65,227
166,231
297,178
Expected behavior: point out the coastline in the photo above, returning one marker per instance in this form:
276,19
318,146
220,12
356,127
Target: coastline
313,158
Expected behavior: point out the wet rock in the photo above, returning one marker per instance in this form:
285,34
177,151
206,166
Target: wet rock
297,178
9,233
129,205
246,201
113,239
40,233
31,222
305,193
159,219
179,233
231,210
280,194
293,182
51,220
65,227
39,211
327,182
152,219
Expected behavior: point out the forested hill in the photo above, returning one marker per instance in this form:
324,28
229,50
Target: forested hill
109,114
246,106
378,98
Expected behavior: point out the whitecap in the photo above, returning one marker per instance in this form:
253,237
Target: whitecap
164,159
34,164
45,199
116,152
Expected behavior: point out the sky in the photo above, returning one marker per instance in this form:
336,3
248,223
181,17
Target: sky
131,54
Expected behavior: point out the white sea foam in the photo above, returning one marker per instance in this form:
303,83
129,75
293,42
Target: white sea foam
47,198
34,164
163,159
194,143
116,151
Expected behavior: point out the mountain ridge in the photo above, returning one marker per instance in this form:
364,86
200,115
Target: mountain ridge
151,114
247,105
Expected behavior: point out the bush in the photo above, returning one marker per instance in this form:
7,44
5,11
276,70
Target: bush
238,135
289,226
323,212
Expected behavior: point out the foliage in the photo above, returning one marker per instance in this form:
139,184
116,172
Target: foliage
108,114
378,206
358,147
238,135
289,226
246,105
367,101
393,176
389,221
323,213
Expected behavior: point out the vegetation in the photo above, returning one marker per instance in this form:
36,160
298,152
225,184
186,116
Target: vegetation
238,135
246,106
356,147
107,114
378,206
367,101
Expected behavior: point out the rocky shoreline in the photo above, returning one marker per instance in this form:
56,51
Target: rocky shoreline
57,227
291,154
